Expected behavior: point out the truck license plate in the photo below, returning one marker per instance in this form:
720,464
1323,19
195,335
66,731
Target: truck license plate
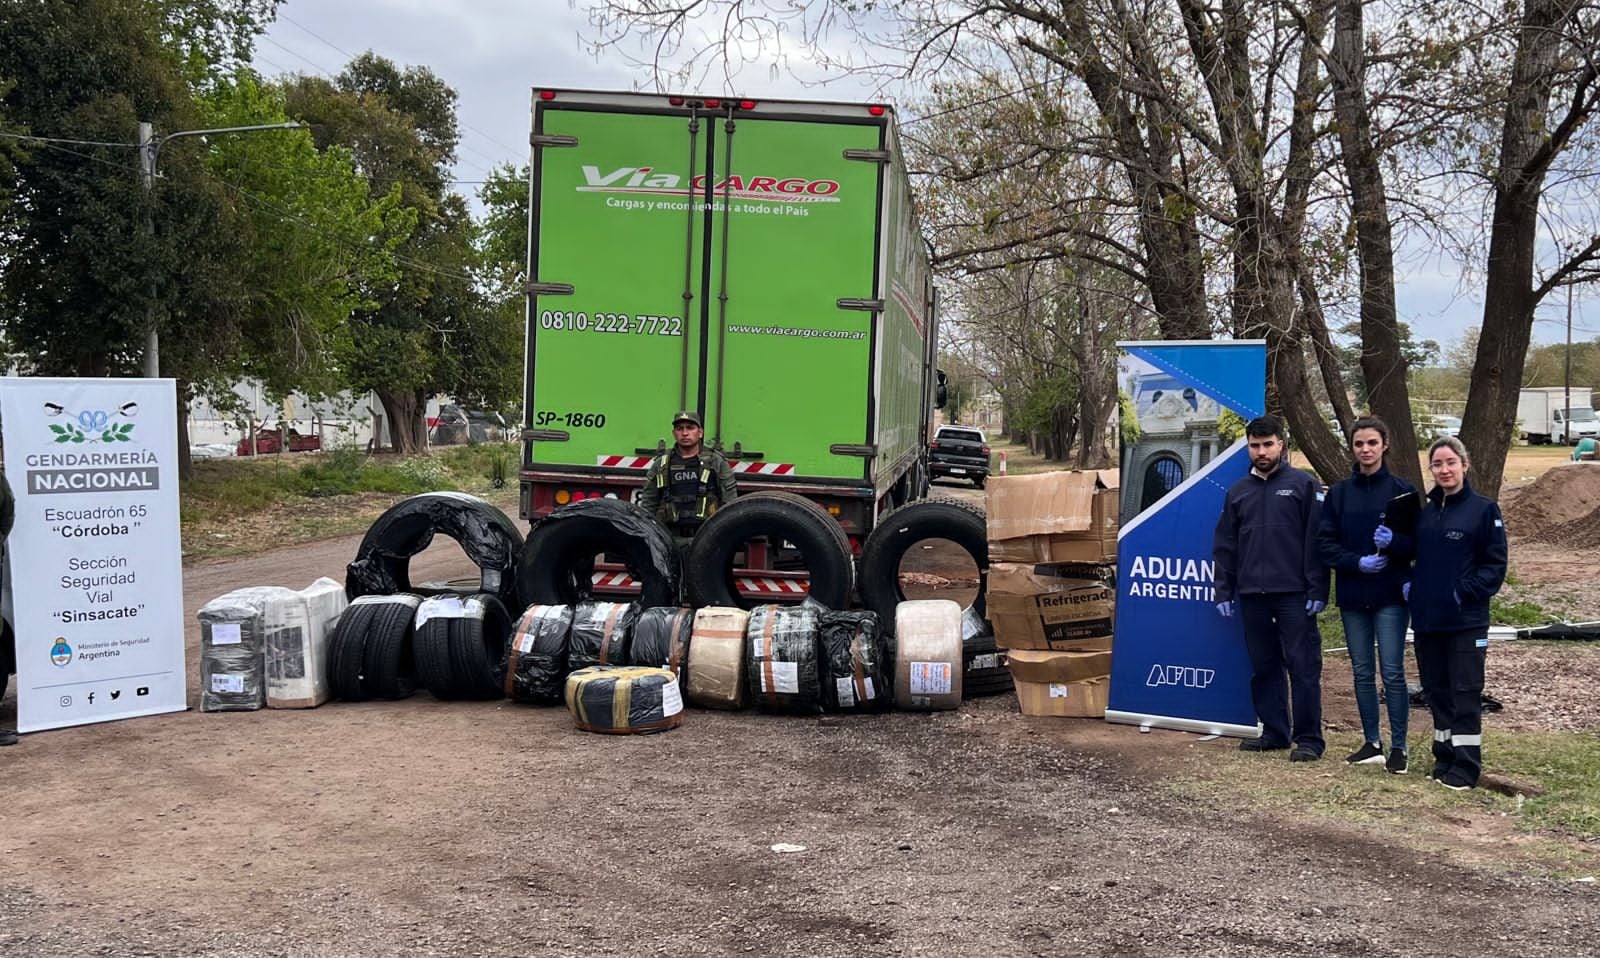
957,471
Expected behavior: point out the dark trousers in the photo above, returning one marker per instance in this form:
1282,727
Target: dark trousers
1280,637
1450,667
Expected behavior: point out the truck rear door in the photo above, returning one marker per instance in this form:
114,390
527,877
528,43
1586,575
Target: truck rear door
794,232
612,347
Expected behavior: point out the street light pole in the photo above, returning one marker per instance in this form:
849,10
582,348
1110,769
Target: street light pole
149,152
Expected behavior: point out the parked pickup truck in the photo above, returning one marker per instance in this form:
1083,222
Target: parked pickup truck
959,452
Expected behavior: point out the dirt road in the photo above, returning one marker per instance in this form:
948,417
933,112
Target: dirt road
423,828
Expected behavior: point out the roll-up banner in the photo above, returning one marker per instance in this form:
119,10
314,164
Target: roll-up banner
94,559
1176,663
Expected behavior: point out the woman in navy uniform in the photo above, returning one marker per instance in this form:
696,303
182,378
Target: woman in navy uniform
1460,564
1373,562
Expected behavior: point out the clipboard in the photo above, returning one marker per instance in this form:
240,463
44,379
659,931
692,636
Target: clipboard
1400,513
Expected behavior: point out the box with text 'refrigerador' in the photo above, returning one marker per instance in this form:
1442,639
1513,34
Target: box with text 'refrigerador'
1051,607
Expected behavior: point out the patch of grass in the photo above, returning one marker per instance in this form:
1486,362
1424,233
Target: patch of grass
1565,822
1331,627
1519,612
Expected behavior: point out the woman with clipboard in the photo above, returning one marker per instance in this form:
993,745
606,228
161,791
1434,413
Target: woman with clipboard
1365,537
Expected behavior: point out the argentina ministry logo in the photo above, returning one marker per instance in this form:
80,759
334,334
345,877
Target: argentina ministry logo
61,653
95,426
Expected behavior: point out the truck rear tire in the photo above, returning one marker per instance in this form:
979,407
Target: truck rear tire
901,529
708,574
558,556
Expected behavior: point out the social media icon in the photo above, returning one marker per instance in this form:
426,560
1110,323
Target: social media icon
66,701
142,690
116,694
91,698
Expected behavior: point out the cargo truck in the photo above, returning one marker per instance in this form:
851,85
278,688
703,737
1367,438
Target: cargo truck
1543,415
756,261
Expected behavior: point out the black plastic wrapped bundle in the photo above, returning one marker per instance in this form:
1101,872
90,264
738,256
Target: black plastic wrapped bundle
856,663
534,667
600,633
485,533
232,652
781,663
661,639
624,700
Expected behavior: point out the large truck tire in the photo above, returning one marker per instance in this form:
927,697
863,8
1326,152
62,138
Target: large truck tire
558,557
780,516
896,533
485,533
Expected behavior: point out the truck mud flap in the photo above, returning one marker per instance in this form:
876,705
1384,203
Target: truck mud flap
486,534
822,544
900,530
557,563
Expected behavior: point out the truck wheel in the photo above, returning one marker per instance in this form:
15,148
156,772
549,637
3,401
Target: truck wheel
708,574
901,529
486,534
558,558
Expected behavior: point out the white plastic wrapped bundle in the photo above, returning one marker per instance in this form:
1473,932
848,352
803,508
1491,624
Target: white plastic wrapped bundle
298,625
716,658
927,634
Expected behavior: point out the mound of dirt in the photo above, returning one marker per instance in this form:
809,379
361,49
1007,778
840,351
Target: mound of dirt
1564,494
1580,533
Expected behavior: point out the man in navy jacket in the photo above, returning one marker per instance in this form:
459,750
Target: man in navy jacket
1268,573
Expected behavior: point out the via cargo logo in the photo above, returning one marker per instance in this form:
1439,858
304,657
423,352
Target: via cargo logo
647,181
92,425
61,653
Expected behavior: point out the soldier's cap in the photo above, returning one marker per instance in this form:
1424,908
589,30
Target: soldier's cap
689,417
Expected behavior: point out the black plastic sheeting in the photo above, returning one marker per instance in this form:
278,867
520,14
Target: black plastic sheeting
1576,631
661,639
534,667
858,662
600,634
652,698
781,667
558,558
486,534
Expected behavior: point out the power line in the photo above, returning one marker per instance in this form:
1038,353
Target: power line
57,139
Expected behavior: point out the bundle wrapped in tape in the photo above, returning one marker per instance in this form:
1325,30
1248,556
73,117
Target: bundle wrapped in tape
927,654
534,667
857,671
716,658
661,638
600,633
624,700
233,640
781,663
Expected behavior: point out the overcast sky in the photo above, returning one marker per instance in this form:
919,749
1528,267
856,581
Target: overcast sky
493,53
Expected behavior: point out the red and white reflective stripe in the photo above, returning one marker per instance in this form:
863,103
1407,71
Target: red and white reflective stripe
764,468
624,462
761,585
613,580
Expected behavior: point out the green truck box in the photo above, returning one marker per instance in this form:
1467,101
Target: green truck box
756,261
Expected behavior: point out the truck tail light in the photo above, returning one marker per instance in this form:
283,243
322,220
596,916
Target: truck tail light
985,451
934,445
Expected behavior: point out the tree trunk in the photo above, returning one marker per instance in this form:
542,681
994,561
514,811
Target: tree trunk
407,425
1526,152
185,462
1383,364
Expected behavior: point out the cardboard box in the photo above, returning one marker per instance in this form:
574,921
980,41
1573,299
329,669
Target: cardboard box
1071,684
1051,608
1053,516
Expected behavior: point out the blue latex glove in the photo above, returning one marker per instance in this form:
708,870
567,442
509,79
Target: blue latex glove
1456,595
1382,536
1373,563
1405,591
1227,609
1315,606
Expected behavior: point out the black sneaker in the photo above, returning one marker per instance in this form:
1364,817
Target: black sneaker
1303,754
1259,745
1370,753
1396,765
1439,770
